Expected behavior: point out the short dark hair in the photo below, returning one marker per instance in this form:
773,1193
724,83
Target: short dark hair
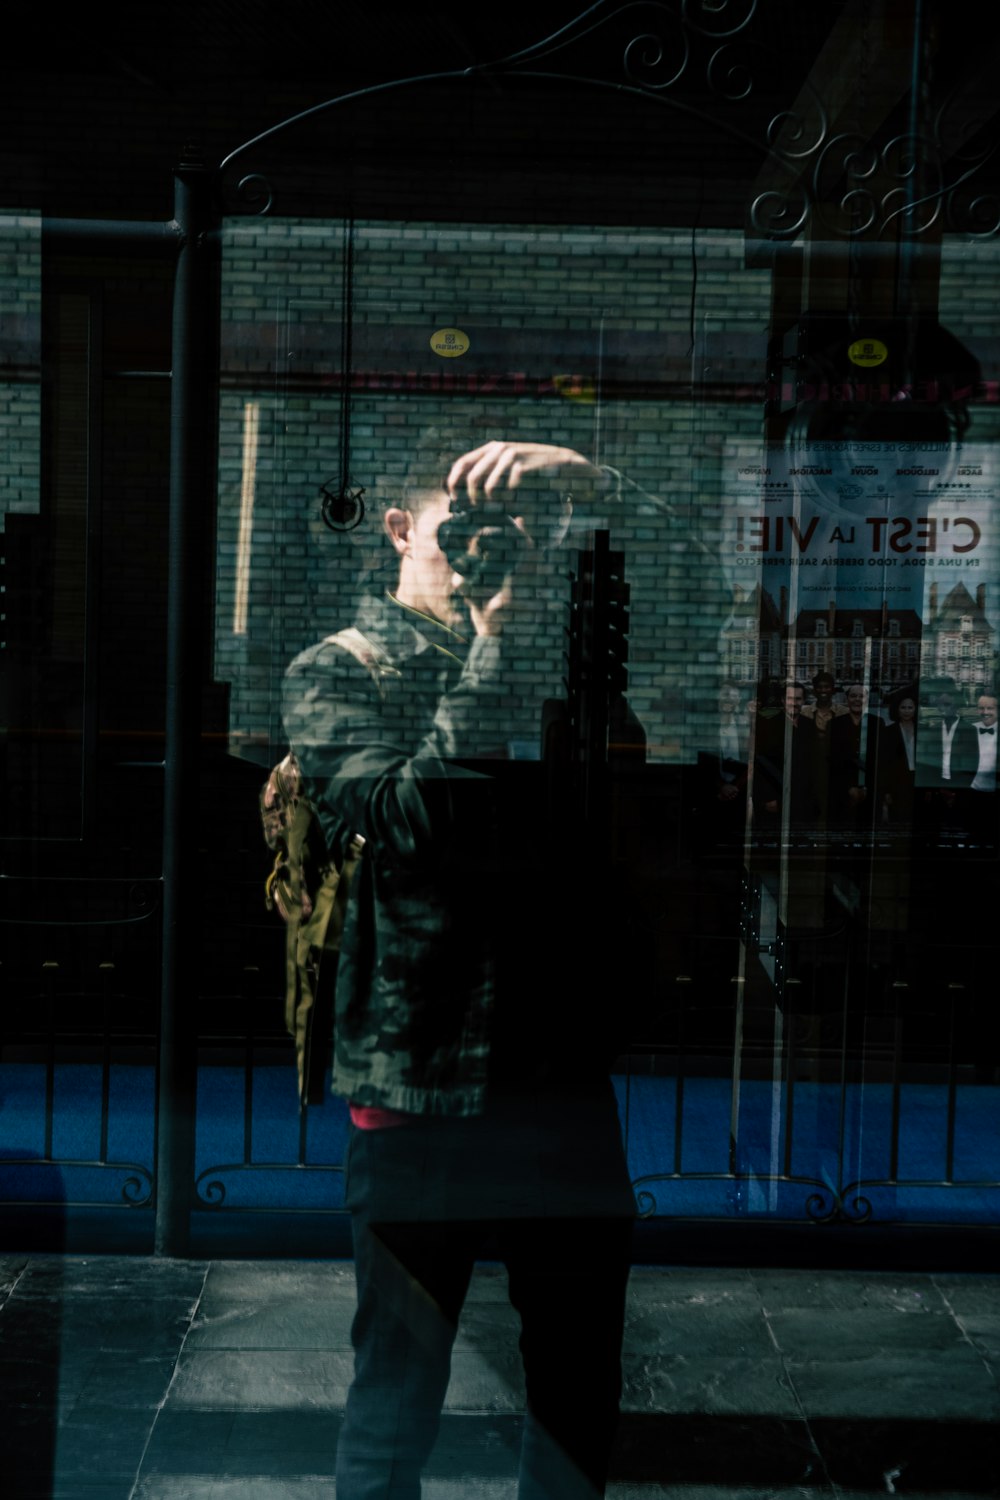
430,460
898,698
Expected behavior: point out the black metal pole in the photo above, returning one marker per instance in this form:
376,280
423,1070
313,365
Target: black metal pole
110,235
192,428
909,228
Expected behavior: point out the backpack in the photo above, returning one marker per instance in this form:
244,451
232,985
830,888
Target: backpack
310,893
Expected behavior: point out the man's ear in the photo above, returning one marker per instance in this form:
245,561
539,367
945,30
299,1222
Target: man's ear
398,525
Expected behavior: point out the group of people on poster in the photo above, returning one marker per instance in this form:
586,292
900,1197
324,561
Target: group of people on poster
819,759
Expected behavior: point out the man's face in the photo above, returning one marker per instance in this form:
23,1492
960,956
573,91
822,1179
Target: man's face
793,701
856,699
430,580
946,703
823,688
987,710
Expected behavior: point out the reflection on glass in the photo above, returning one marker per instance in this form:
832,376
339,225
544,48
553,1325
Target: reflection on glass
44,543
241,600
797,595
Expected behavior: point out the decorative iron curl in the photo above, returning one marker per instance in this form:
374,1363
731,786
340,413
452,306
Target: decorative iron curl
793,125
645,54
911,152
850,157
822,1207
137,1190
718,8
979,217
736,81
252,189
645,1203
828,1205
860,207
902,157
771,215
858,1211
976,215
932,206
212,1194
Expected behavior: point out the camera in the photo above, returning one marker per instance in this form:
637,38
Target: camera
483,545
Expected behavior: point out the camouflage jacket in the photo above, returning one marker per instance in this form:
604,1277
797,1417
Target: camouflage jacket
387,748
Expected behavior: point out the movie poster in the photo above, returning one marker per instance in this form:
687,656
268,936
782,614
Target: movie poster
877,562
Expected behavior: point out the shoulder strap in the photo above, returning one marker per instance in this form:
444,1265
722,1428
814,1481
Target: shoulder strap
374,658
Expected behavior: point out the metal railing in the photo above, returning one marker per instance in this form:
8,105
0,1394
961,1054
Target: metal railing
730,1109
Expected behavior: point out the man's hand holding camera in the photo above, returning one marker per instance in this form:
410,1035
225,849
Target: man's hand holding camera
503,467
510,501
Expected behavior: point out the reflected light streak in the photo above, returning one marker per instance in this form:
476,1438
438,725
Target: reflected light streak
241,601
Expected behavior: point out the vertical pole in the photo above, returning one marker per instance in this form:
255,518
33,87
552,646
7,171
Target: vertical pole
192,427
907,305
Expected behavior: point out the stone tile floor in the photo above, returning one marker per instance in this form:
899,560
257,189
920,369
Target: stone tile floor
131,1378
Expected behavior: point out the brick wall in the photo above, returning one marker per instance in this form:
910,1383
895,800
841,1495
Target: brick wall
20,363
595,339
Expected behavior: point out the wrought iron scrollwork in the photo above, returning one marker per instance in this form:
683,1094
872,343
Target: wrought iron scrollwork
829,1205
137,1189
662,53
647,60
659,54
977,215
718,18
821,1207
729,75
209,1189
794,136
874,187
860,189
253,193
825,1204
855,1206
776,216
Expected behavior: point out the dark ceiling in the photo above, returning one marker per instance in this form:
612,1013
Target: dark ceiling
98,106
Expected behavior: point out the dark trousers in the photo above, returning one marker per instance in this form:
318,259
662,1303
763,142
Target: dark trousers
567,1279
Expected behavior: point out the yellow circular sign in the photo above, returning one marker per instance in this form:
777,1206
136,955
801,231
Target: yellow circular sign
868,352
449,342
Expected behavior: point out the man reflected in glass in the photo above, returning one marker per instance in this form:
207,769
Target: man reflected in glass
472,1033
